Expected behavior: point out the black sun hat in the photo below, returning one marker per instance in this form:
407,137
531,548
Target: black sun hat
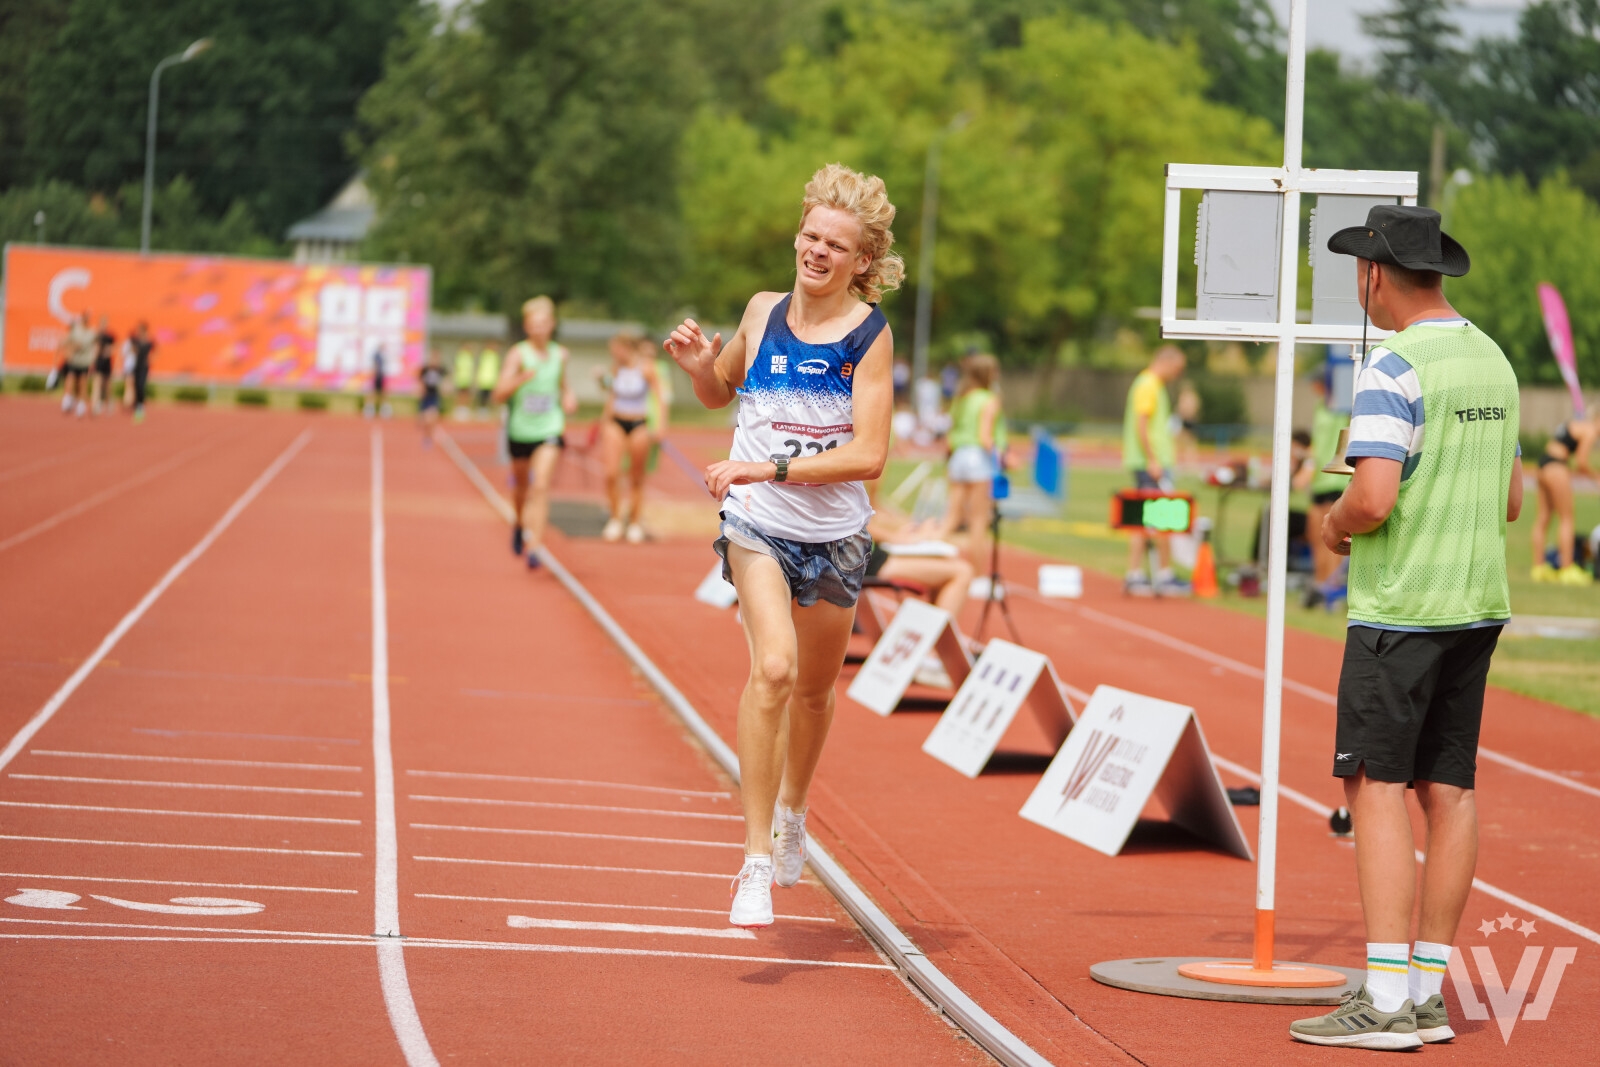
1404,236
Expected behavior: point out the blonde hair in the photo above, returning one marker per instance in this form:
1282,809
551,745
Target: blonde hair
529,306
978,371
864,196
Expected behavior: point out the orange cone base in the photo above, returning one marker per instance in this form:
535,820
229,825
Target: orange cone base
1243,972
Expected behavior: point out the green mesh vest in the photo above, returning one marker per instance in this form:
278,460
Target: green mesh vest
1440,559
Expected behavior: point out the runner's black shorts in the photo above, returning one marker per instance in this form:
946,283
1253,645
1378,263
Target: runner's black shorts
524,449
1410,704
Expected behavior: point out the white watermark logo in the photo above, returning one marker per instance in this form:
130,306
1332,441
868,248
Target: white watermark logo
1506,999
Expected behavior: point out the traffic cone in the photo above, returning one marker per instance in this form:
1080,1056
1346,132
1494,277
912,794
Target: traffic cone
1204,579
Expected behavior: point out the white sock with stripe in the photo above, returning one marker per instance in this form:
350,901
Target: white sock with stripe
1426,976
1387,967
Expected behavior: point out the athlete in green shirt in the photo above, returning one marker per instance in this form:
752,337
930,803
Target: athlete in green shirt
1437,478
534,382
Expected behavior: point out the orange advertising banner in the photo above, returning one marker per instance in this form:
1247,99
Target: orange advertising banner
223,318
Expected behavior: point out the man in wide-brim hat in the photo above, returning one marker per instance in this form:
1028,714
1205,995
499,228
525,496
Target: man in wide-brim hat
1433,439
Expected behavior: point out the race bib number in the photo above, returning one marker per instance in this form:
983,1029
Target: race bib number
537,403
798,439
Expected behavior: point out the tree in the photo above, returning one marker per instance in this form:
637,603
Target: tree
1535,102
261,119
74,217
27,28
1419,54
1519,236
1051,196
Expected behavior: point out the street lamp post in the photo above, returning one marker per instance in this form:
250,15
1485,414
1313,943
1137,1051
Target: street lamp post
925,250
150,134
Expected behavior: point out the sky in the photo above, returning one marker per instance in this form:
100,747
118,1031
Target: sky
1336,24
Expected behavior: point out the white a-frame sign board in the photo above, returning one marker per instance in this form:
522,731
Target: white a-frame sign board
1005,678
917,629
1124,748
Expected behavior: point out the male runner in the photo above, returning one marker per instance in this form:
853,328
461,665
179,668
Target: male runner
142,345
1433,439
812,371
462,370
534,381
431,378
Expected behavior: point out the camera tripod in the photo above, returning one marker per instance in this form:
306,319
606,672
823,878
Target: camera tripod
997,582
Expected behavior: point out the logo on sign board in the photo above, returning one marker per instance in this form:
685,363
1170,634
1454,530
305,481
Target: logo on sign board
1506,998
1107,759
902,648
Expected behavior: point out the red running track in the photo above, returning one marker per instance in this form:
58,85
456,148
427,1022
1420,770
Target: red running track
194,844
1015,915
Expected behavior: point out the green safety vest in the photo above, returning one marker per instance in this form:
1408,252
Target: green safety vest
536,413
1440,558
463,369
1325,427
488,368
1160,429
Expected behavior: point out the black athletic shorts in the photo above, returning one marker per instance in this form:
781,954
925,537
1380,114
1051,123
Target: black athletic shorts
1410,704
1328,497
524,449
627,426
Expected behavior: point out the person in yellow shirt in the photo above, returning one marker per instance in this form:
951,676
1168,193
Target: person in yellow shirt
1149,456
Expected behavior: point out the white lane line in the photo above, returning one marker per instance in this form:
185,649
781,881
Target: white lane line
176,929
577,807
163,881
570,867
194,760
528,922
39,464
614,907
433,942
1321,696
232,786
169,811
164,844
252,737
403,1017
575,781
101,497
573,833
70,686
1488,889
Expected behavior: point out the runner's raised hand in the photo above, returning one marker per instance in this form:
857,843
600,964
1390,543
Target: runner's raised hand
690,349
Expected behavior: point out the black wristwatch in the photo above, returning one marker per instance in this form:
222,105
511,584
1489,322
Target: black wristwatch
781,461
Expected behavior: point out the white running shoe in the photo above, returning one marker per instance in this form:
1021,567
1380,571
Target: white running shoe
752,893
788,845
613,530
635,534
80,409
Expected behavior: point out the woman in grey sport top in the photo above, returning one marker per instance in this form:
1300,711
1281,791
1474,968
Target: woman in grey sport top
812,371
624,431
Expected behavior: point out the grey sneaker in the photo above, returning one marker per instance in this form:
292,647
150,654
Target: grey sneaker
1433,1021
788,845
1137,585
1355,1023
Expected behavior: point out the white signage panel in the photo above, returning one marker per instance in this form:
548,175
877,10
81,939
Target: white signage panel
1124,749
1006,677
917,629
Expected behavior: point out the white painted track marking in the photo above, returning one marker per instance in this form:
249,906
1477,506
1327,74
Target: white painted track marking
232,786
164,844
573,833
575,781
101,497
431,942
102,925
169,811
721,875
157,731
1321,696
614,907
194,760
76,679
528,922
403,1017
162,881
40,464
1488,889
579,807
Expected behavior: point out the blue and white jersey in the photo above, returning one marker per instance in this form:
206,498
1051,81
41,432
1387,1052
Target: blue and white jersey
797,399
